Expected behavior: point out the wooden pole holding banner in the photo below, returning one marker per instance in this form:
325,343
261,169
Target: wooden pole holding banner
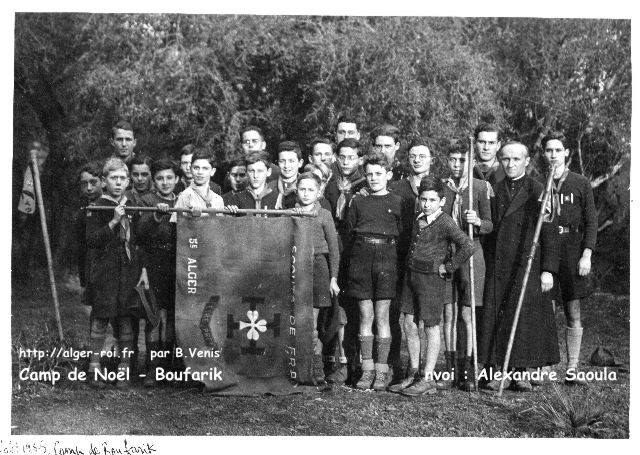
228,212
45,236
471,270
525,280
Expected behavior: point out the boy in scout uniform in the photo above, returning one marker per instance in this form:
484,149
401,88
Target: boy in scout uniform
578,225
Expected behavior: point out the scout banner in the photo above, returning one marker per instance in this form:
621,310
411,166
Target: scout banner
244,302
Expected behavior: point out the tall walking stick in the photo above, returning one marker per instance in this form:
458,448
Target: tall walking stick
525,280
45,236
471,272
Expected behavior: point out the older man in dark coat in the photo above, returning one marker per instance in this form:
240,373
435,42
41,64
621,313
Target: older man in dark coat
515,212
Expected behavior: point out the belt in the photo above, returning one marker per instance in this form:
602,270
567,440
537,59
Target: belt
387,240
567,230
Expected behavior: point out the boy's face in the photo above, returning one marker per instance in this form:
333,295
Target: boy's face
258,173
252,141
386,145
185,166
419,159
348,160
555,153
115,183
165,181
90,186
322,153
377,177
123,142
141,177
289,164
487,145
202,171
430,202
238,177
458,164
308,192
514,160
347,130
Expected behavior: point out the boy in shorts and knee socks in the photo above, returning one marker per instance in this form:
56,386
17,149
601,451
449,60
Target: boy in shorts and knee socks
375,223
424,289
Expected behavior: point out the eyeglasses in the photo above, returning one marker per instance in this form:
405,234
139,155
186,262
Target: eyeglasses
418,157
344,159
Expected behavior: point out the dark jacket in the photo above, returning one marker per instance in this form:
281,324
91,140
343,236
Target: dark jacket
506,252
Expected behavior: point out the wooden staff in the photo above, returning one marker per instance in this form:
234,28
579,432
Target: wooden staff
207,210
525,280
45,236
471,270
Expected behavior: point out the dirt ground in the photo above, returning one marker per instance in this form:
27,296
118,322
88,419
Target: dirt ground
74,408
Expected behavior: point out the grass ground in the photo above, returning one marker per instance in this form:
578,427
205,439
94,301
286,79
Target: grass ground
74,408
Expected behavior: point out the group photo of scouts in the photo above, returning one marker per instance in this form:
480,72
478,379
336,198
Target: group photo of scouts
392,245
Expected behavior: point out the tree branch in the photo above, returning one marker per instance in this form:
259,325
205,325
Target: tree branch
605,225
614,170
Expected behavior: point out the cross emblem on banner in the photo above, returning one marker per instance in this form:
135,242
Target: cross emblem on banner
255,325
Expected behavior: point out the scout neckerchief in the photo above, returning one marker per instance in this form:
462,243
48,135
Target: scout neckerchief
207,199
344,185
258,197
124,233
414,188
456,214
314,208
555,189
284,191
170,198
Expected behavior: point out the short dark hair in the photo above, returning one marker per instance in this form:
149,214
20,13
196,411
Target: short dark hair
254,157
310,176
252,128
347,118
554,135
162,165
457,146
92,167
290,146
487,128
122,125
233,163
349,143
203,154
431,183
321,140
386,130
140,160
187,149
420,141
377,159
513,143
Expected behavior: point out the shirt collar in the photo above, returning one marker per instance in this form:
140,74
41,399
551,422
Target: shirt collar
430,218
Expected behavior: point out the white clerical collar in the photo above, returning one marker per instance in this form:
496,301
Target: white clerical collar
431,218
518,178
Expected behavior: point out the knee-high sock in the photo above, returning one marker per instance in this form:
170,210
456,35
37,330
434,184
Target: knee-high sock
366,351
573,336
383,345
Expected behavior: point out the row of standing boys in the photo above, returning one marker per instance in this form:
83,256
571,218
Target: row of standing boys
390,249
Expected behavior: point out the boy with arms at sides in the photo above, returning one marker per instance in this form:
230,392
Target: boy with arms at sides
157,239
199,194
114,268
186,154
91,189
375,222
236,178
326,258
456,194
487,142
252,140
578,226
425,286
290,161
141,182
257,194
